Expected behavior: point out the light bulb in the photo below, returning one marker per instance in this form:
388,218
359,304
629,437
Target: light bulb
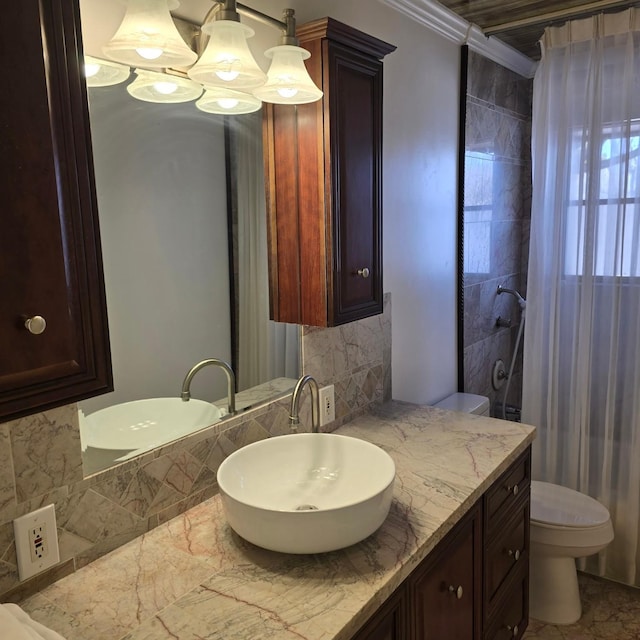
90,69
287,93
228,103
227,76
165,88
149,53
152,86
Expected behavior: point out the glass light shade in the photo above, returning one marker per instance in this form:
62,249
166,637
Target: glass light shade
227,101
152,86
227,61
148,37
103,73
288,81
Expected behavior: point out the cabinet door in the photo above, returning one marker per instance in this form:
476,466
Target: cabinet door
50,262
447,593
389,622
355,104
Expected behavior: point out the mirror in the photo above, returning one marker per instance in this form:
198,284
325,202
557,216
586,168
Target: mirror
183,229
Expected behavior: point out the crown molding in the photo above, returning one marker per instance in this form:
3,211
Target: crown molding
451,26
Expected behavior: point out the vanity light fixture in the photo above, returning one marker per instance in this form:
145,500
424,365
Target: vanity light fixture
227,61
148,37
152,86
104,73
233,80
288,81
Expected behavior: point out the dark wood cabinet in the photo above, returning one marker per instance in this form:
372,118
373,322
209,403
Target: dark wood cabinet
324,184
50,259
475,584
506,552
446,589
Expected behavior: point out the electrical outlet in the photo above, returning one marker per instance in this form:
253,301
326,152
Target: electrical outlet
327,405
36,541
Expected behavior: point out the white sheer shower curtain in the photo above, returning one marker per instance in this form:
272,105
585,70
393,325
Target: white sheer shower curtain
267,349
582,341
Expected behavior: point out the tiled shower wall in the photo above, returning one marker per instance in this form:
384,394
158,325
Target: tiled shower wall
40,457
497,214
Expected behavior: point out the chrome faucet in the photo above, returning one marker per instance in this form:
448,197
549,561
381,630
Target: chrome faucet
215,362
294,419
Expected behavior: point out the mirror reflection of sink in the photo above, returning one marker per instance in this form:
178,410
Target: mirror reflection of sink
130,428
307,492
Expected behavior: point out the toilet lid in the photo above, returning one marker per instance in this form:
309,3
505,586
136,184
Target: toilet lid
554,504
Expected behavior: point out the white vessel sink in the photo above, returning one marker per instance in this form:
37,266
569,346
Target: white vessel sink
145,424
307,492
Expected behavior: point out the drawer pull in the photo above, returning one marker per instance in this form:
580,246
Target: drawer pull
512,489
514,629
457,590
363,272
35,325
514,554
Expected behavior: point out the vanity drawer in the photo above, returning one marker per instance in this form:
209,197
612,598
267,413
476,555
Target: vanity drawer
506,554
512,616
507,491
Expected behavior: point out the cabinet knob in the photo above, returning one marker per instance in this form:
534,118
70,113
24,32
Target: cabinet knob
35,324
513,489
457,590
514,629
363,272
515,554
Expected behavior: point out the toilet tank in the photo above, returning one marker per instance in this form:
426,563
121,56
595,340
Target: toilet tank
465,402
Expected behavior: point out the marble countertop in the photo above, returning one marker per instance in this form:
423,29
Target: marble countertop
193,577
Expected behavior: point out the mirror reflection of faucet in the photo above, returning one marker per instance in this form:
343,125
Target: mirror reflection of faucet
294,418
213,362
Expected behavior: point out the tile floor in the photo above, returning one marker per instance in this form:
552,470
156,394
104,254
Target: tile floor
610,611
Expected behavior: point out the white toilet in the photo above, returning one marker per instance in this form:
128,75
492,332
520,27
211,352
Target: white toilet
565,525
465,402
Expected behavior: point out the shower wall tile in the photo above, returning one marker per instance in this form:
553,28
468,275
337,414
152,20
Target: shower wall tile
41,462
497,210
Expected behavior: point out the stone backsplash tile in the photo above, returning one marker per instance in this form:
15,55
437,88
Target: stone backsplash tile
41,463
46,451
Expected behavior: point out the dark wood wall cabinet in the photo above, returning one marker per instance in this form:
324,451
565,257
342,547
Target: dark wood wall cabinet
53,325
475,584
324,184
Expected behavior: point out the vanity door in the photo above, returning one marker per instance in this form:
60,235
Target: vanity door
446,589
53,326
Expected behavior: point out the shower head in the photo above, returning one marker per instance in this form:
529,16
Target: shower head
521,301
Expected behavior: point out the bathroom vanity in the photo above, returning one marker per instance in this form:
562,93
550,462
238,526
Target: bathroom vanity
450,561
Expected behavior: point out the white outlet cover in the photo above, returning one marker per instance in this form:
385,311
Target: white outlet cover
327,405
23,528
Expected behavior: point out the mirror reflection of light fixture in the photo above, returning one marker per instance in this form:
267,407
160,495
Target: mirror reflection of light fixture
288,81
152,86
148,37
227,101
104,73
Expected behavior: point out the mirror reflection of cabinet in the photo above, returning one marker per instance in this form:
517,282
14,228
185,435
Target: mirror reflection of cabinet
323,179
50,262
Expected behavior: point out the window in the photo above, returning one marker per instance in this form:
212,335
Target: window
601,236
